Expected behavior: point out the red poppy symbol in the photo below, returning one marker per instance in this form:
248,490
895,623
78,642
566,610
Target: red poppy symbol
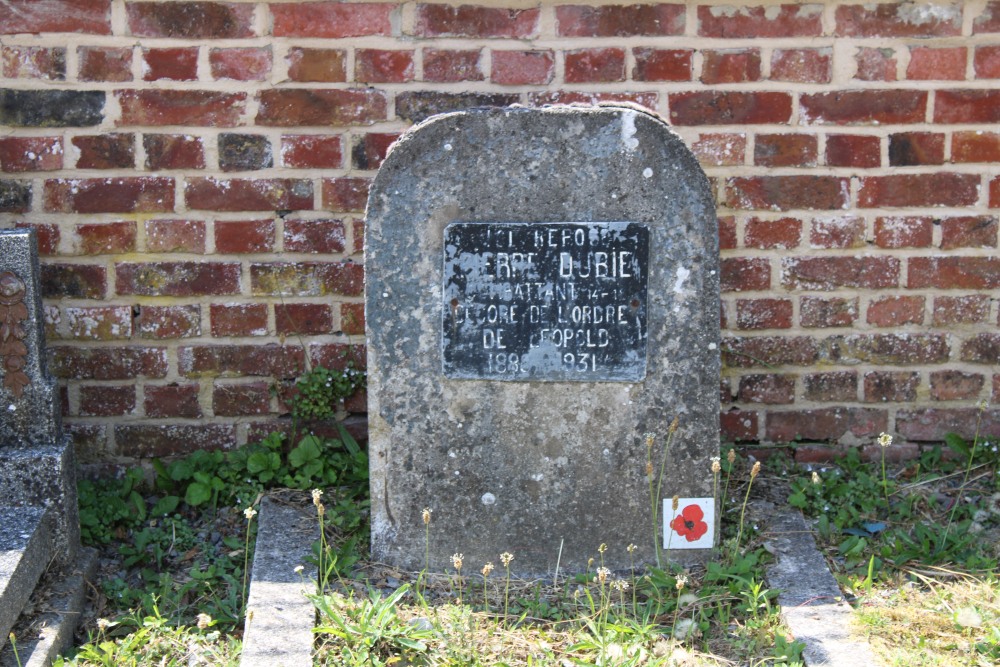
688,524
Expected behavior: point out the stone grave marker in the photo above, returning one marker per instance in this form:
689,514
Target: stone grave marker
542,293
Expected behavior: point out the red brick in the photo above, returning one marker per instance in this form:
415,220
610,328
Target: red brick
156,441
190,20
32,16
739,426
847,232
720,150
783,233
620,20
163,322
853,150
975,146
238,319
932,424
177,278
967,106
713,107
895,311
172,400
358,229
827,424
769,351
105,63
982,348
107,363
903,232
241,64
248,194
828,273
138,194
783,193
383,66
20,154
740,274
371,149
74,281
181,107
916,148
937,189
954,273
889,349
173,151
662,64
994,195
517,68
757,21
473,21
244,236
805,454
836,387
950,310
176,64
279,361
323,65
876,64
767,388
989,20
101,323
311,151
238,400
352,319
934,64
307,279
337,356
898,20
968,232
329,107
307,319
345,194
785,150
727,233
175,236
452,66
314,236
595,65
331,19
802,65
105,151
897,453
34,62
823,313
418,105
48,236
763,313
107,400
736,66
111,238
956,386
884,107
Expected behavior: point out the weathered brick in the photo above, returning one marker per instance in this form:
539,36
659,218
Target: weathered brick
768,388
876,64
849,107
769,351
21,154
967,106
932,424
238,319
338,356
975,146
244,152
739,274
247,194
916,148
32,16
89,444
190,20
346,194
173,64
983,348
51,108
156,441
452,66
175,236
474,21
953,273
204,108
369,150
172,400
177,278
317,65
48,236
241,64
969,232
238,400
104,63
936,64
936,189
173,151
783,193
889,349
519,68
903,232
824,425
352,319
989,20
307,279
836,387
34,62
994,196
956,385
785,150
595,65
783,233
308,151
720,150
383,66
314,236
716,107
107,400
802,65
822,312
806,454
279,361
900,452
620,20
727,233
332,19
102,323
649,100
105,151
662,64
134,194
163,322
758,21
828,273
107,238
107,363
951,310
894,311
996,389
73,281
299,107
763,313
739,426
236,237
839,232
730,66
853,150
418,105
15,196
307,319
902,19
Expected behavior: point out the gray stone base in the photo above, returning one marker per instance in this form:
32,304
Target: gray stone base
25,550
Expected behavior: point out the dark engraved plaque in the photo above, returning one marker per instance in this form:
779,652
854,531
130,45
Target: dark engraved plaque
545,301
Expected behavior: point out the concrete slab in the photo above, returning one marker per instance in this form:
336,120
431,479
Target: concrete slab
26,547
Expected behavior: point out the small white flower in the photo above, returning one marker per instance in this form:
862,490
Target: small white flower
299,569
884,439
249,513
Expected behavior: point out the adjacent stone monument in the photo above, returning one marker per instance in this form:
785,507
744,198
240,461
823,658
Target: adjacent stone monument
542,293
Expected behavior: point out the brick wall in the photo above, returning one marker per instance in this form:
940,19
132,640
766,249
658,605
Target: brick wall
197,173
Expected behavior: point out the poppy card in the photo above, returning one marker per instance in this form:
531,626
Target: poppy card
691,525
